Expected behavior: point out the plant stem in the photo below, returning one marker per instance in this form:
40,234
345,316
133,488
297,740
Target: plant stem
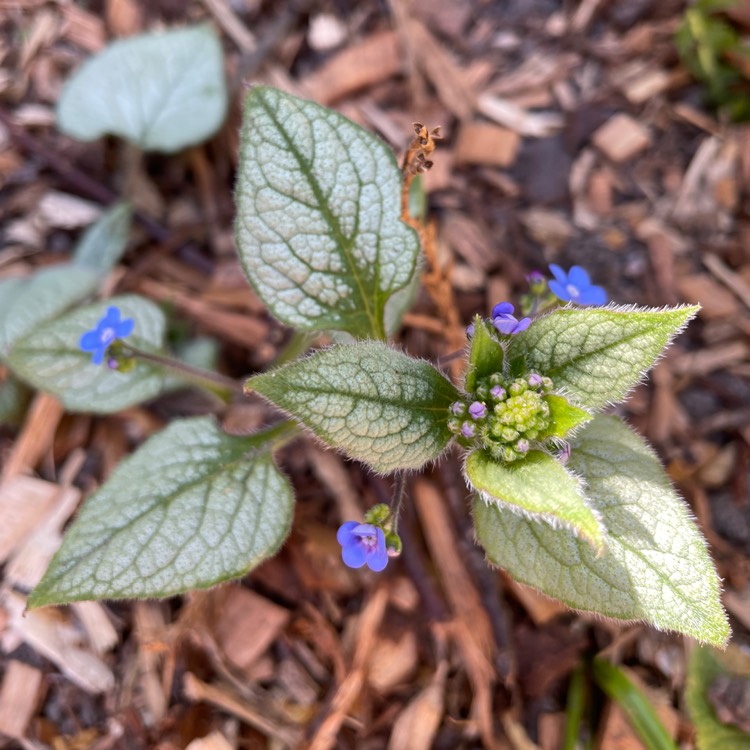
278,434
211,380
399,493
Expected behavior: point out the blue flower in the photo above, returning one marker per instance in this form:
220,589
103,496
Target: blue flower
362,543
575,286
504,320
107,331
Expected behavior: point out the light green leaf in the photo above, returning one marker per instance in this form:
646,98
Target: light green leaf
104,242
704,668
377,405
538,487
190,508
485,357
318,216
50,359
400,302
564,417
598,354
28,302
161,91
14,398
656,567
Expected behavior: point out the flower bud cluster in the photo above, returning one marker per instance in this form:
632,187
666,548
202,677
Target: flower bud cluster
503,416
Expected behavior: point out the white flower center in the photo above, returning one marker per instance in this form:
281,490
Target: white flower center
108,335
573,291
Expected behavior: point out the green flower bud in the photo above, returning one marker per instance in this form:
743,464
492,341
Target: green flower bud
378,514
393,544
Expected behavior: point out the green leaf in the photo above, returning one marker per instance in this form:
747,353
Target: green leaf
656,567
14,398
401,302
161,91
28,302
640,712
564,417
377,405
597,355
704,668
318,216
104,242
538,487
50,359
190,508
485,356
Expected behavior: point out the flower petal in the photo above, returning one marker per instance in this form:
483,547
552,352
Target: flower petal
344,534
559,291
502,308
90,341
523,324
354,555
378,558
558,273
98,356
124,328
365,529
594,295
111,318
505,325
579,277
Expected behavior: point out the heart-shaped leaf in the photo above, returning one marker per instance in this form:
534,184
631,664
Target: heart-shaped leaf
190,508
162,91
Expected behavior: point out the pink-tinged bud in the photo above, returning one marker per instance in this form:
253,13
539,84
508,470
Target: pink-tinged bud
478,410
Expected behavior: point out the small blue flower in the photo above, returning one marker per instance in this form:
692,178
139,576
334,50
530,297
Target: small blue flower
107,331
575,286
362,543
504,320
468,430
